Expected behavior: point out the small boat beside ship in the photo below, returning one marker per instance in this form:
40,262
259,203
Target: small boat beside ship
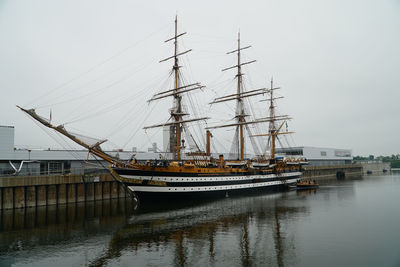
197,173
306,185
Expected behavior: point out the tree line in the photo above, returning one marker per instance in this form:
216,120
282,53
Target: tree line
394,160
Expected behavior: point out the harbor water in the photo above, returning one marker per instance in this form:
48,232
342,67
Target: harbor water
353,222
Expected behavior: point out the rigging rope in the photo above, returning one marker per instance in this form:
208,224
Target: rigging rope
95,66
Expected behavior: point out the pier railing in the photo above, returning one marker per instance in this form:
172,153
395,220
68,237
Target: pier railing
29,172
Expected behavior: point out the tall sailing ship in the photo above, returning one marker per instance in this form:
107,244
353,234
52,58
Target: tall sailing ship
199,173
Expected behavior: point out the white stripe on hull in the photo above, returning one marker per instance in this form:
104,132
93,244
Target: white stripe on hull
167,189
210,178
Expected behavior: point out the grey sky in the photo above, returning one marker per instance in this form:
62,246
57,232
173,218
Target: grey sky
338,63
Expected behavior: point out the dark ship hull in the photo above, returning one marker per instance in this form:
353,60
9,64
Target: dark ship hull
148,184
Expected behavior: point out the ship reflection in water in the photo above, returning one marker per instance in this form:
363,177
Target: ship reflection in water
209,233
305,228
245,231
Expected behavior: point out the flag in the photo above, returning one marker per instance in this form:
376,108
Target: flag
50,115
286,127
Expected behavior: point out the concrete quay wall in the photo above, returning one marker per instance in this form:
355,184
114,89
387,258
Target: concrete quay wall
371,167
33,191
343,171
332,172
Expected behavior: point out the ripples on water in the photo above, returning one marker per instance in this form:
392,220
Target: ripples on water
347,223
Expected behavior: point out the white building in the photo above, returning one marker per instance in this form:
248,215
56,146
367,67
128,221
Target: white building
318,156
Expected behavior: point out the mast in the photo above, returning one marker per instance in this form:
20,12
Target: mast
177,98
273,132
238,97
176,92
240,102
272,123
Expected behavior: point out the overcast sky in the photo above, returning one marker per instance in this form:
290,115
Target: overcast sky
337,61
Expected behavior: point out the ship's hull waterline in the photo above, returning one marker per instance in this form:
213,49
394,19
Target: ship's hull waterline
182,186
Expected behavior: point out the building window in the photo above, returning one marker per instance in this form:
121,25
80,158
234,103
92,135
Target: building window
343,153
290,151
44,168
55,167
67,166
323,153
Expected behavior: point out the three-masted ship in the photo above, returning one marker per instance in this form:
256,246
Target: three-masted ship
199,173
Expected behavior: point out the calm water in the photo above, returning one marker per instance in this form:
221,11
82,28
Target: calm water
346,223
